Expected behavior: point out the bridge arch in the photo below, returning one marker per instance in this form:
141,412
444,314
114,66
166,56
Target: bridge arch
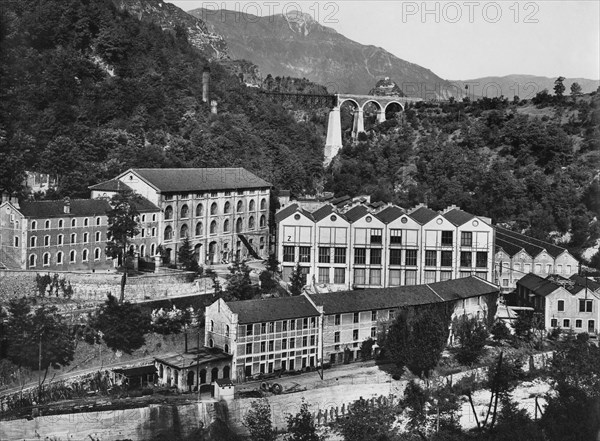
394,102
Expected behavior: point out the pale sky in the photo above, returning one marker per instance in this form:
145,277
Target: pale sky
459,40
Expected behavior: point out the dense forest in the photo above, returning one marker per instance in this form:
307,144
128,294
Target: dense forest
88,91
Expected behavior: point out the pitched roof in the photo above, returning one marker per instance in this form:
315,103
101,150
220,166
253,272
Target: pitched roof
322,212
508,247
200,179
390,214
538,285
423,215
531,245
79,207
458,217
388,298
585,281
143,205
112,185
356,213
285,212
268,310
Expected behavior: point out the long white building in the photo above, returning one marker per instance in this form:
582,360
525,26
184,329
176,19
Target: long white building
366,248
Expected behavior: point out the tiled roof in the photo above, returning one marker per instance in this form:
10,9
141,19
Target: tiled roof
200,179
143,205
508,247
585,281
531,245
537,284
356,213
112,185
285,212
458,217
390,214
268,310
79,207
423,215
388,298
322,212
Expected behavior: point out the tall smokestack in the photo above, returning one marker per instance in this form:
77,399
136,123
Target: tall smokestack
205,84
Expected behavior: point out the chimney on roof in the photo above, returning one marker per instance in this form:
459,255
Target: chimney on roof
450,208
15,201
5,197
67,205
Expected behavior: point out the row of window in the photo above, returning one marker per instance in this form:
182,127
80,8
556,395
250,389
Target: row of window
61,223
184,211
526,268
213,194
270,327
199,230
284,344
33,242
566,323
336,335
60,256
585,305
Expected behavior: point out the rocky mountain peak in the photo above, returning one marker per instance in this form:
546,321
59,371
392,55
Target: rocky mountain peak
299,22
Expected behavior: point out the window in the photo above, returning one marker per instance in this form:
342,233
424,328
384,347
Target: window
263,204
466,239
263,346
97,253
98,221
566,323
481,259
284,343
199,229
251,224
396,237
447,238
183,232
185,212
355,317
252,205
168,212
46,241
304,342
98,236
410,277
227,207
84,255
336,337
86,237
72,256
585,305
226,226
375,258
395,257
214,194
359,276
213,227
288,254
560,305
86,222
153,232
153,250
324,255
376,235
61,223
323,275
263,222
355,334
32,260
248,348
271,345
238,225
375,277
578,323
313,340
360,256
339,275
339,255
410,258
429,276
47,225
446,258
199,210
32,241
263,328
466,259
213,209
554,323
239,207
445,275
59,258
430,258
168,233
304,254
292,325
248,330
33,225
394,277
46,259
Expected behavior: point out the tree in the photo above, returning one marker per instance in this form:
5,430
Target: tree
559,87
122,227
301,427
296,281
366,348
367,422
239,284
273,264
186,256
123,325
472,335
575,90
258,421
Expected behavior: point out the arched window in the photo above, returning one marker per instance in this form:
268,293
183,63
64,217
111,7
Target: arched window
84,255
226,331
199,210
86,222
211,343
33,225
47,225
60,239
16,241
59,258
227,207
263,221
143,250
226,226
251,223
212,326
184,212
97,253
238,225
251,207
240,207
98,221
98,236
46,259
226,349
213,208
213,227
73,222
168,213
61,223
32,241
183,232
72,256
199,229
168,233
152,250
263,204
32,260
46,241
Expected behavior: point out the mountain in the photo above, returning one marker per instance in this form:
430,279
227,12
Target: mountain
524,86
170,17
296,45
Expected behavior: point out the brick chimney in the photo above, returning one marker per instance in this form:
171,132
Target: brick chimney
67,205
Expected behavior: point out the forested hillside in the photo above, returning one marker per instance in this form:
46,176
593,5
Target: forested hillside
88,91
532,164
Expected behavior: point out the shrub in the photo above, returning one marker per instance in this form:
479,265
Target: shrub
500,331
